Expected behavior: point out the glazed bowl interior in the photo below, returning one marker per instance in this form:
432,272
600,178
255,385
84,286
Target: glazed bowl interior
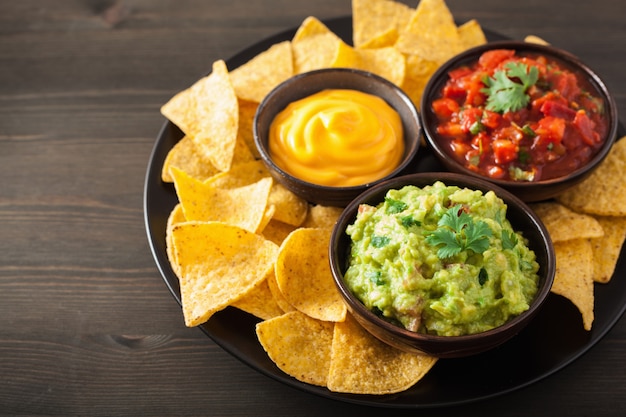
306,84
521,218
529,191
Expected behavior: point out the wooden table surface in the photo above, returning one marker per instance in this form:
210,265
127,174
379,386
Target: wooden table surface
87,326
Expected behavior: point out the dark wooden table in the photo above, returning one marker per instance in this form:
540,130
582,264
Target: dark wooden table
87,326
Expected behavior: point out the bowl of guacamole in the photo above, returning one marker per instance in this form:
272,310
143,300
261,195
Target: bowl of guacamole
441,263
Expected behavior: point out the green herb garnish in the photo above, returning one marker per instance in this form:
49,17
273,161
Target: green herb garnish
395,206
509,239
506,90
458,232
380,241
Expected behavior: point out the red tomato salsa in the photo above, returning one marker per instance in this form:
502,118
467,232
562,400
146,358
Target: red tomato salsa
521,118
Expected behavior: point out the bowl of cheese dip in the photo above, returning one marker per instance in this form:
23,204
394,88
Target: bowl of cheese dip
328,135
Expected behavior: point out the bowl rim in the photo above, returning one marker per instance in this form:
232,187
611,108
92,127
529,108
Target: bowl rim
412,145
440,75
349,214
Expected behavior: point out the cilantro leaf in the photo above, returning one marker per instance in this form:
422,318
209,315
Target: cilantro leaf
450,246
395,206
506,89
509,239
457,232
380,241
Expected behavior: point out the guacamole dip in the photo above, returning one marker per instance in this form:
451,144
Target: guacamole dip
441,260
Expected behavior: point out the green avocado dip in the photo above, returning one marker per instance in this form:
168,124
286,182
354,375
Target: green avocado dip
440,260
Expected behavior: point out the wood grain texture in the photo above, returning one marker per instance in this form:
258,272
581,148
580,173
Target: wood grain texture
87,326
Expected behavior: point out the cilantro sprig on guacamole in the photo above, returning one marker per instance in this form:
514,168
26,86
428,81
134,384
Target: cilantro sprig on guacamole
441,260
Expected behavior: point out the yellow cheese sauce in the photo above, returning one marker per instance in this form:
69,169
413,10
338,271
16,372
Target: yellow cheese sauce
337,137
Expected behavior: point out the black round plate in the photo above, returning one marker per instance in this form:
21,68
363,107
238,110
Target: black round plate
553,340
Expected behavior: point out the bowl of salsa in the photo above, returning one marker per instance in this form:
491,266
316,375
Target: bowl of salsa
531,118
328,135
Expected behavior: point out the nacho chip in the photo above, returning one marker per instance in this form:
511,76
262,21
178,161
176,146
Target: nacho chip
314,46
304,277
388,63
259,302
289,208
243,206
564,224
431,33
175,217
299,345
535,39
278,296
218,264
186,156
371,18
362,364
604,191
208,113
471,35
322,216
256,78
607,249
418,73
277,231
574,276
383,40
247,111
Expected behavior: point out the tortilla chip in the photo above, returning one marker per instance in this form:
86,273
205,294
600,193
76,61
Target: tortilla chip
299,345
247,111
185,156
175,217
277,231
574,276
243,206
259,302
322,216
418,73
256,78
362,364
535,39
289,208
431,33
564,224
314,46
471,35
208,113
604,191
218,264
371,18
607,249
388,63
383,40
304,277
278,296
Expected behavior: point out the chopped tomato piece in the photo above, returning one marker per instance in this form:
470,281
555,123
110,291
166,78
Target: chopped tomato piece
450,129
491,59
445,107
557,109
586,128
504,151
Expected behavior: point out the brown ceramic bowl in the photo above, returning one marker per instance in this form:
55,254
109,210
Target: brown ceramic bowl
522,219
306,84
527,191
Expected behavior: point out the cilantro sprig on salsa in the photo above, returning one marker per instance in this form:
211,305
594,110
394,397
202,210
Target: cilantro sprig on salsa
506,89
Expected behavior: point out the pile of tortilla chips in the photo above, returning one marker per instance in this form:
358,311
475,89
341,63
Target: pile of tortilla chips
587,225
239,239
